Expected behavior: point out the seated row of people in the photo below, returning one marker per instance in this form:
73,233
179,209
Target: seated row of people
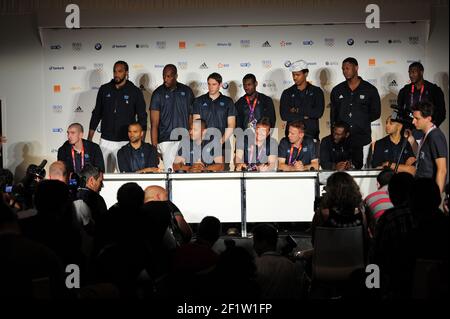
257,150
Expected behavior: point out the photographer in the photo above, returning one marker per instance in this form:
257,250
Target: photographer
22,193
431,161
393,148
89,192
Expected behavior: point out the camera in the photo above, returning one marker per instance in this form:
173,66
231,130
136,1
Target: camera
403,116
22,192
288,245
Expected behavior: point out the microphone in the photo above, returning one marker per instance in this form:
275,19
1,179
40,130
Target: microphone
41,166
169,170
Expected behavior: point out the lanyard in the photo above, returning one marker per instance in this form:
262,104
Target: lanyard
82,158
251,108
421,144
292,152
258,157
412,93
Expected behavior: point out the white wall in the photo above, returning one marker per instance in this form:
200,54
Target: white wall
437,55
21,92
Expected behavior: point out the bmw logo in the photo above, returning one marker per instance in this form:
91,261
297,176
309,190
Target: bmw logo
225,85
98,46
350,41
287,63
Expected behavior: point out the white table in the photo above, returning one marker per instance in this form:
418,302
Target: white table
207,194
366,180
280,196
240,196
112,183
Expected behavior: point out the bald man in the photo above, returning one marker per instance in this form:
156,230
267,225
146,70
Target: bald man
58,171
159,194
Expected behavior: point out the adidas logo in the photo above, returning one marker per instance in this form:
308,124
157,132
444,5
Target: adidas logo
203,66
266,44
78,109
393,83
341,97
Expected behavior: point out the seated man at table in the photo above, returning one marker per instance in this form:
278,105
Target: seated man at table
198,155
258,152
335,149
137,156
387,150
297,152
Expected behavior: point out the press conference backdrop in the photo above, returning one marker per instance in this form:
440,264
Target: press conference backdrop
78,62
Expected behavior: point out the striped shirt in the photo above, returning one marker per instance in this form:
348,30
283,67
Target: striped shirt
378,202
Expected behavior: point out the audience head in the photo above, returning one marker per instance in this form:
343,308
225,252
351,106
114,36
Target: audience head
57,171
209,229
342,193
130,195
265,238
92,177
384,177
399,188
155,193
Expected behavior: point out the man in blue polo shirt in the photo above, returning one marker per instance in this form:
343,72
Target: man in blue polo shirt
217,110
259,152
197,154
137,156
170,109
253,106
302,101
357,103
297,152
386,152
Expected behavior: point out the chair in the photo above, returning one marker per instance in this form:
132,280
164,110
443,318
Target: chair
338,252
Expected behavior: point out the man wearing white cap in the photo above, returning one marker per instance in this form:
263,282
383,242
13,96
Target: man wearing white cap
302,101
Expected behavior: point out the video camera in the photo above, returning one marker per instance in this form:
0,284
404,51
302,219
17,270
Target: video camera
403,116
22,192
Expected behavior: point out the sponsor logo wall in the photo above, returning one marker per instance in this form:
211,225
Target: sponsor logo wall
77,64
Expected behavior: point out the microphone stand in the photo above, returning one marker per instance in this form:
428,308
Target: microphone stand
405,140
